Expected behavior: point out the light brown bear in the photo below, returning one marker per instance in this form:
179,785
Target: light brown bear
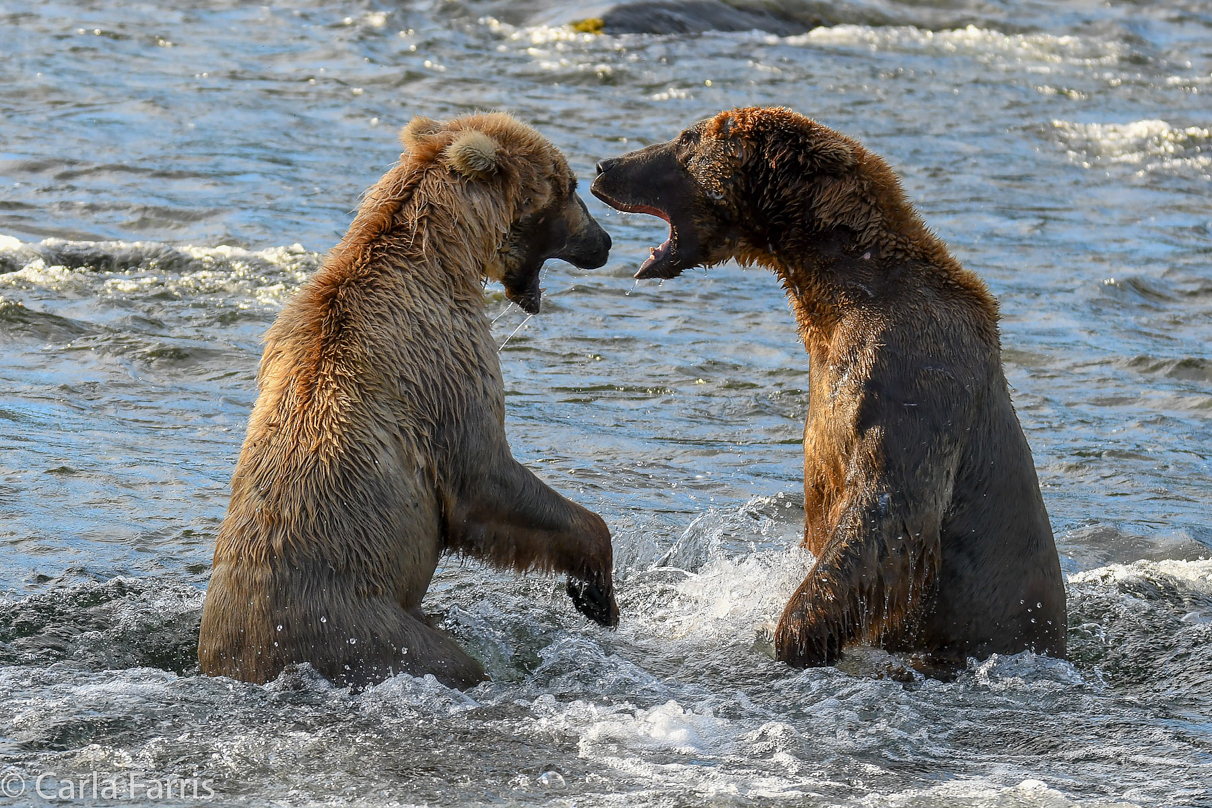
377,442
921,499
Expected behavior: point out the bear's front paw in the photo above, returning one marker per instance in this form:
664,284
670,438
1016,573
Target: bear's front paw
594,601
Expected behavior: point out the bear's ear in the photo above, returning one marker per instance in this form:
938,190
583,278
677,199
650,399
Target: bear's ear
473,154
832,156
727,130
417,130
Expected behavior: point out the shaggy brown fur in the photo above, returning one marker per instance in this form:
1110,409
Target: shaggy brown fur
377,442
921,499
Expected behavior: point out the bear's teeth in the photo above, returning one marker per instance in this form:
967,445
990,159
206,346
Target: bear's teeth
656,254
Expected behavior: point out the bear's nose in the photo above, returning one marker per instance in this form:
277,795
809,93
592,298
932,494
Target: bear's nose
605,165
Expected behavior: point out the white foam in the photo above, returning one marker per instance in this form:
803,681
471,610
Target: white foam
671,745
971,41
1189,576
233,276
1147,144
1029,793
537,34
667,727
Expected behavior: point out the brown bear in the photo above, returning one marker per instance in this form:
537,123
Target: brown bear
921,500
377,442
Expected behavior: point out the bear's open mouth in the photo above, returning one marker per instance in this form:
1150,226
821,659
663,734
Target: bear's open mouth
522,287
660,252
659,263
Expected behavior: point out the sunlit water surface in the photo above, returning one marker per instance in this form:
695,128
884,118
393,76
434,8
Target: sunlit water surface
169,174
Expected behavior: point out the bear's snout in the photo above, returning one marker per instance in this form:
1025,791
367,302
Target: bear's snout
588,245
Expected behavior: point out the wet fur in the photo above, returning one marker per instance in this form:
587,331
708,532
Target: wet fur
921,500
377,441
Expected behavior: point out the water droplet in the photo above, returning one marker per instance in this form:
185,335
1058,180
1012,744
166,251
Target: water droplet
279,627
552,779
353,640
323,619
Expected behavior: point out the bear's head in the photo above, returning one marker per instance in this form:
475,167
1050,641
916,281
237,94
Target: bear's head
509,174
741,183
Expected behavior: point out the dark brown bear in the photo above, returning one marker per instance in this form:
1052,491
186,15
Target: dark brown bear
377,442
922,504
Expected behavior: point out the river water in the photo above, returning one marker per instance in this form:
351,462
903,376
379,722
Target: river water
170,174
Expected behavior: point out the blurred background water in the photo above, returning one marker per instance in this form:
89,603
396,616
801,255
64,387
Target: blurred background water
170,175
